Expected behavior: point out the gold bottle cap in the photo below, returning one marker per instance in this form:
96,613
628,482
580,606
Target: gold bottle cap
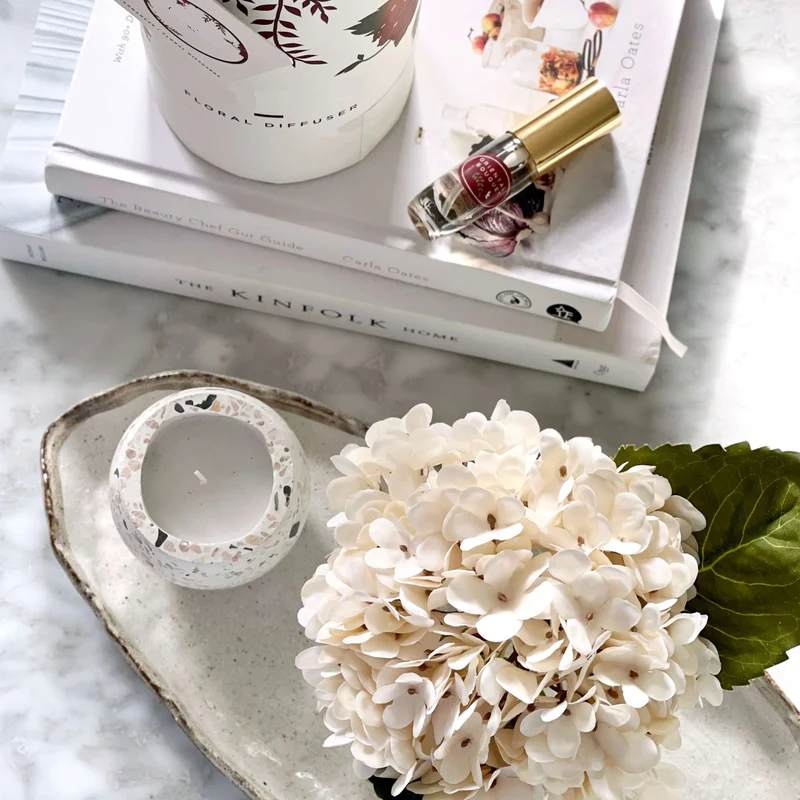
566,125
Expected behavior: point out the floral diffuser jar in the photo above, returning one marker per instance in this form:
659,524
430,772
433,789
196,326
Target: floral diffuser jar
282,91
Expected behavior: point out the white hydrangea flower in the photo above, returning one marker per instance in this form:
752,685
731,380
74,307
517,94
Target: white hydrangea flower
408,701
505,614
562,724
460,757
505,595
398,549
641,678
480,517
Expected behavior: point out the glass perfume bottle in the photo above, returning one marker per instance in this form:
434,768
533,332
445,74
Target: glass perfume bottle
515,160
540,66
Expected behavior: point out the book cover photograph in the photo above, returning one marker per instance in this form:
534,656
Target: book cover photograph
548,51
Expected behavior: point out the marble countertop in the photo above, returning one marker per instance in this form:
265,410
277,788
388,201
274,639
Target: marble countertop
75,722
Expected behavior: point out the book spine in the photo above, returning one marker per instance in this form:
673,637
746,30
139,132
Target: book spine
326,310
108,185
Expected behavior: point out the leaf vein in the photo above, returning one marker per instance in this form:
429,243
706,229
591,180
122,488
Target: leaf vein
785,520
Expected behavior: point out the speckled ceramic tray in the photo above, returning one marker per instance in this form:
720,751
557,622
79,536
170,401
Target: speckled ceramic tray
222,662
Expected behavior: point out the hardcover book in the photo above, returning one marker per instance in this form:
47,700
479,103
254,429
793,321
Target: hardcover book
482,67
76,237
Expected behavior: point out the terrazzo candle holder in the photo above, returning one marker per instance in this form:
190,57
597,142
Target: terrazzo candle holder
209,487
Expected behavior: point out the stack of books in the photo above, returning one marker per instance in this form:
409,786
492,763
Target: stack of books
340,251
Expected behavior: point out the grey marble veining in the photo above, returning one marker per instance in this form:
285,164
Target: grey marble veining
75,723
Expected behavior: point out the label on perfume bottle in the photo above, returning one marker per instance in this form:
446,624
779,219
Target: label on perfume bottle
487,179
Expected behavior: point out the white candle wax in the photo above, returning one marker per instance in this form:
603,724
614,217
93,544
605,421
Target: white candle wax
207,479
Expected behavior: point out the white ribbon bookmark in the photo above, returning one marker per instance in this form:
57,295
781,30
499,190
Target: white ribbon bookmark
628,295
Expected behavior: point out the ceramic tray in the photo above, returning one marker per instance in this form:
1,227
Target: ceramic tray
222,662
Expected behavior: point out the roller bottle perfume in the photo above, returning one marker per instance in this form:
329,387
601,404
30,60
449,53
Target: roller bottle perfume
515,160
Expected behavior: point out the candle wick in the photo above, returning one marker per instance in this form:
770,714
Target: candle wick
202,478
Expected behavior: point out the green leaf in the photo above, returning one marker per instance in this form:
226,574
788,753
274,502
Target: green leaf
749,581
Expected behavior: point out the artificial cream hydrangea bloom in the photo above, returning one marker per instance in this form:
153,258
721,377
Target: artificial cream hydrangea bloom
504,616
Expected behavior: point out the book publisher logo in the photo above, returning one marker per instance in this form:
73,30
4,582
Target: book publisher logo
514,299
565,313
197,29
569,363
487,179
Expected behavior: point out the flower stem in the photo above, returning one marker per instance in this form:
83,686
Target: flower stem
275,32
362,60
